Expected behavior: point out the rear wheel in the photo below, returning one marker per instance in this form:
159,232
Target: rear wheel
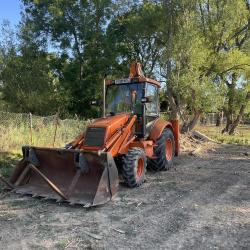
164,151
134,167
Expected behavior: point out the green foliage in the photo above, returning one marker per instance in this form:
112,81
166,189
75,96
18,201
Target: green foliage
199,49
206,43
16,131
242,136
133,36
7,163
225,27
77,28
29,87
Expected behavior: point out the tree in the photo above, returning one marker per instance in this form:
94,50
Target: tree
29,87
27,82
201,50
189,90
76,29
133,36
225,26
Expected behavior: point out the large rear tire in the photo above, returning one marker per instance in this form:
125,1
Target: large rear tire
164,152
134,167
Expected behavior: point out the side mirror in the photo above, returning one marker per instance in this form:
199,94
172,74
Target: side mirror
147,99
96,103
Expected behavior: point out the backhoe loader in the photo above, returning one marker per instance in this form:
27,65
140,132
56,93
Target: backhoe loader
129,138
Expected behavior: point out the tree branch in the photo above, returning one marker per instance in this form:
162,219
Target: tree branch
234,67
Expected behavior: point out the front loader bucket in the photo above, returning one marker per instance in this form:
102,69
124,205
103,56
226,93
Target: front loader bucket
87,178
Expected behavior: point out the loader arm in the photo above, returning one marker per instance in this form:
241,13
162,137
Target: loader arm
76,143
121,137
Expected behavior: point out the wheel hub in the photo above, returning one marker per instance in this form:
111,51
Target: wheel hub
169,149
140,167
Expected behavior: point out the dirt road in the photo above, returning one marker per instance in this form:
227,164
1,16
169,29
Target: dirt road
204,203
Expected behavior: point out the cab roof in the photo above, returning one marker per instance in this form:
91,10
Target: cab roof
136,76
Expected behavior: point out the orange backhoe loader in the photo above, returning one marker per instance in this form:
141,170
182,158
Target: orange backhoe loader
128,138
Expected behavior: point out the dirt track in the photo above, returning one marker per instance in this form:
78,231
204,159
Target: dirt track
204,203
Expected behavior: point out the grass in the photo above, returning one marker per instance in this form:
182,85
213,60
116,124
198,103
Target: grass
242,136
8,162
16,133
13,137
62,244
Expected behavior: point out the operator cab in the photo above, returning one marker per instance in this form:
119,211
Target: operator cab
136,95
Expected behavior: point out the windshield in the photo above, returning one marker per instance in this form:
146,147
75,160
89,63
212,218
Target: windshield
124,98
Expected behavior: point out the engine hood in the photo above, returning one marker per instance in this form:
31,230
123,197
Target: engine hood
111,121
102,129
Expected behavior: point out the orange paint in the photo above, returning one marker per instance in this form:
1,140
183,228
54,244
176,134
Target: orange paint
158,128
146,145
126,133
136,75
112,125
176,131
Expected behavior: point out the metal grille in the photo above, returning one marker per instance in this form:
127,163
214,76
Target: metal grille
95,137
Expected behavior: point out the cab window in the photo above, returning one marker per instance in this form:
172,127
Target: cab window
152,93
124,98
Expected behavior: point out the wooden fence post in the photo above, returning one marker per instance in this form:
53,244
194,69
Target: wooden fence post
56,124
31,126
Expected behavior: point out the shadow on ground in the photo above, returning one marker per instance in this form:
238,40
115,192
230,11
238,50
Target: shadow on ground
7,163
202,203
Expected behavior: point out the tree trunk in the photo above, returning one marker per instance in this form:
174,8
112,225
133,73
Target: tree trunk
231,98
188,126
171,99
170,22
174,115
235,124
219,119
77,44
239,116
228,124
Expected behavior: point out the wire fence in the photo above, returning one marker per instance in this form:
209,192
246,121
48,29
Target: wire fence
18,129
205,119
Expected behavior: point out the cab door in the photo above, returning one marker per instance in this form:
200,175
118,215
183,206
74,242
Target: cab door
152,107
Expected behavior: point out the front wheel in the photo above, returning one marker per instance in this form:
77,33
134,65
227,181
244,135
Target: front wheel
164,151
134,167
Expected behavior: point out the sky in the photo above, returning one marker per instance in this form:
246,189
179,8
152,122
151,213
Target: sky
10,10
